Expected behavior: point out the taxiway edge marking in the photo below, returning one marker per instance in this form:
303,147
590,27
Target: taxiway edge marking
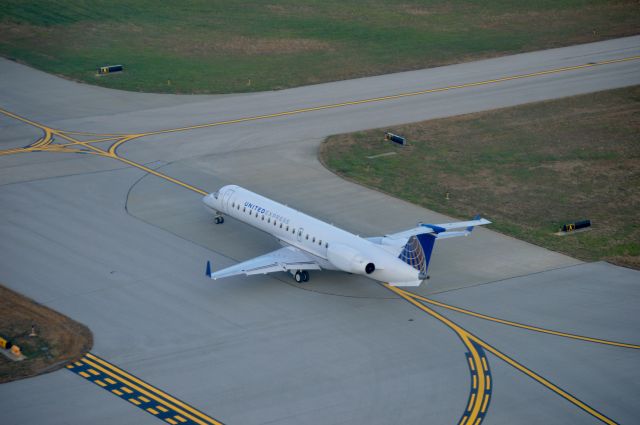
137,392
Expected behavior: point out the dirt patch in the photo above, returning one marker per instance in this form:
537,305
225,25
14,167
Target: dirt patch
249,46
11,32
291,9
415,10
58,341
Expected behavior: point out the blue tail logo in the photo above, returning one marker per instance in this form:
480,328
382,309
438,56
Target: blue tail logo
417,252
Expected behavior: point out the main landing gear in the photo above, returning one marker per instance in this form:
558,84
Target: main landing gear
219,219
301,276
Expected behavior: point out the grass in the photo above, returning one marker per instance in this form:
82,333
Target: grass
528,168
59,339
214,46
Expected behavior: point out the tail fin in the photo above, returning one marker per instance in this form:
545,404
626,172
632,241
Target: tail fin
417,252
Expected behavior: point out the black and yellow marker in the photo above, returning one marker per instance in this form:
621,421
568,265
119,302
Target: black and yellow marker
110,69
138,392
480,394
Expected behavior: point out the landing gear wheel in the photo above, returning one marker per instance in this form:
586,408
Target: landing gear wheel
305,276
298,276
219,219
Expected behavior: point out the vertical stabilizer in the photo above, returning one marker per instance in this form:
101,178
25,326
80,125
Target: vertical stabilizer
417,252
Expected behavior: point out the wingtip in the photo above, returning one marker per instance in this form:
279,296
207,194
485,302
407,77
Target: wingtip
481,221
208,272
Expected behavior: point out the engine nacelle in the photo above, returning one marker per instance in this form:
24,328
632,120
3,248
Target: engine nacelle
349,259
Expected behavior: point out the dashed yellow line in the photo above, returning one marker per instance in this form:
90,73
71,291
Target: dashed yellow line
520,325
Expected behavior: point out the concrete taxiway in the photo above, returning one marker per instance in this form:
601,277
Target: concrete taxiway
101,219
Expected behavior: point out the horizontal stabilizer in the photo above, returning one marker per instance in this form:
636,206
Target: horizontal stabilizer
442,230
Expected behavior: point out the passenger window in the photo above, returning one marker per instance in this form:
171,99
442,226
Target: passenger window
320,242
274,223
326,245
233,205
307,236
269,220
244,209
314,239
281,225
262,218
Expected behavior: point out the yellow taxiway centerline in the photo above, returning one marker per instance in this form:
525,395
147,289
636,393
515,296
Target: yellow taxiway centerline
545,382
520,325
393,97
109,154
465,337
123,138
569,397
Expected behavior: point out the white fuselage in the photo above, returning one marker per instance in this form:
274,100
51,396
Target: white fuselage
333,248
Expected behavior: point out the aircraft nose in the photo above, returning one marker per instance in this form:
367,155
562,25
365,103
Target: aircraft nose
209,200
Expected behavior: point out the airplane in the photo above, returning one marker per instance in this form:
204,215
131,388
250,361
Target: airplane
399,259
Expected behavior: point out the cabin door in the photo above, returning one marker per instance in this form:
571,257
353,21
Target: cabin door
226,201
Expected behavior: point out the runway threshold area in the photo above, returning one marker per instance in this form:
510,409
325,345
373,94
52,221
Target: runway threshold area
138,392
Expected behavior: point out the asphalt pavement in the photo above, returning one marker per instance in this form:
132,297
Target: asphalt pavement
504,332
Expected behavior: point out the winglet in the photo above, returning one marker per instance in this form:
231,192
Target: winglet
470,228
208,272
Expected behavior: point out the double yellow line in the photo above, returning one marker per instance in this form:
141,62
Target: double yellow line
138,392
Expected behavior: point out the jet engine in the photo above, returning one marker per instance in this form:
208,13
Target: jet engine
349,259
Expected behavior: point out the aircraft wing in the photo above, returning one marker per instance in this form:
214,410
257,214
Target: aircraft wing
280,260
441,230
